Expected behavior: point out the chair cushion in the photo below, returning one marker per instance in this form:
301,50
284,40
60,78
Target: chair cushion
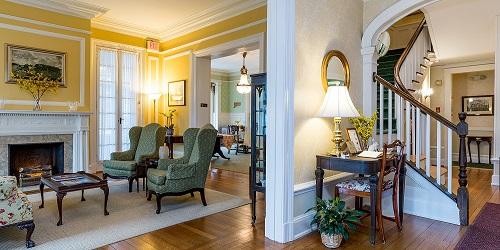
15,209
120,165
8,184
362,184
157,176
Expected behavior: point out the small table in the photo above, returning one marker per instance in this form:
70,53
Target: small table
478,140
171,139
361,166
65,183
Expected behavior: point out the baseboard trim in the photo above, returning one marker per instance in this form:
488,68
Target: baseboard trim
495,180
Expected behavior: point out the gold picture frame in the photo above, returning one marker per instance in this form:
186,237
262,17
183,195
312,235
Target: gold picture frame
177,93
353,137
51,63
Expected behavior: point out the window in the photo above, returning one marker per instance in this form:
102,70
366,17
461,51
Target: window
118,78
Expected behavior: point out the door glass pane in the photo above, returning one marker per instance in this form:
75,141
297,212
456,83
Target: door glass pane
107,103
129,77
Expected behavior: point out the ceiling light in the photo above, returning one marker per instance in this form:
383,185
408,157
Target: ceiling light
243,86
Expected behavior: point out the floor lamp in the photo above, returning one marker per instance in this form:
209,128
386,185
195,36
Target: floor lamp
155,96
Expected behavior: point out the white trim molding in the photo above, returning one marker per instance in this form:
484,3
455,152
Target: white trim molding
191,23
50,25
66,7
280,133
82,67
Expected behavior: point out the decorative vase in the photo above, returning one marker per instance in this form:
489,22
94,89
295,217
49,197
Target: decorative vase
170,131
331,241
37,106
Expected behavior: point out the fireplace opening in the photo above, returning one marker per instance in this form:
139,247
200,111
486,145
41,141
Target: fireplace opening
29,162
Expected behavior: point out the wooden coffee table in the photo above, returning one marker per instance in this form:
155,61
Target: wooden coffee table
65,183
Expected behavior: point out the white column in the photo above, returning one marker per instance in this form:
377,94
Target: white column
369,88
495,178
280,133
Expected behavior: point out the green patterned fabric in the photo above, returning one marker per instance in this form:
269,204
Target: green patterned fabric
134,134
14,204
189,138
144,143
189,175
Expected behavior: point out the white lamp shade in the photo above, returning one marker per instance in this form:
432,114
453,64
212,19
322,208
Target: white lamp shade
155,95
337,103
243,87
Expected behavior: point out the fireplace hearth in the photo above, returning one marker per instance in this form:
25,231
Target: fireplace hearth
29,162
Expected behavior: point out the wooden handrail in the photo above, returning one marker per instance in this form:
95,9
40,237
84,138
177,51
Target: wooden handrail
402,58
408,97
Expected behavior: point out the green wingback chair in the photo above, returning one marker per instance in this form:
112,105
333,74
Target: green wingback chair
185,175
144,143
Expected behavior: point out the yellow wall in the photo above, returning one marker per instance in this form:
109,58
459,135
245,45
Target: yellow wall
29,34
115,37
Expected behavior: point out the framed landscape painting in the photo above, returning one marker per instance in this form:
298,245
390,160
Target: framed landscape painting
177,93
51,64
478,105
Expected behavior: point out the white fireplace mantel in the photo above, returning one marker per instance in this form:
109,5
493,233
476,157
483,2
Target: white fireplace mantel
14,122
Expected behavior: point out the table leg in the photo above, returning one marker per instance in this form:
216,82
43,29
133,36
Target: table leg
320,173
402,185
106,194
219,152
489,153
468,147
373,208
83,198
60,197
171,150
41,193
478,154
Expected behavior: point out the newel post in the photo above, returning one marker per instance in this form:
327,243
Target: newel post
463,193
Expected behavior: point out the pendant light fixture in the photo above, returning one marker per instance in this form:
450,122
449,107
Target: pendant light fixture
243,86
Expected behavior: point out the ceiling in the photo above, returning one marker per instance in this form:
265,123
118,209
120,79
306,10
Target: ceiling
463,29
161,19
233,63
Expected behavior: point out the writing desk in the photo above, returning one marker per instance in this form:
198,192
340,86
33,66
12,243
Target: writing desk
361,166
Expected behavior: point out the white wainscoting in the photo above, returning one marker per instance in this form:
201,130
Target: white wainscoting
50,123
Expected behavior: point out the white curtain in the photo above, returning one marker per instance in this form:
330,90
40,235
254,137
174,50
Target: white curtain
107,102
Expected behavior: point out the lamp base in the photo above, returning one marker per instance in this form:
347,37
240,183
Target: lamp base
337,137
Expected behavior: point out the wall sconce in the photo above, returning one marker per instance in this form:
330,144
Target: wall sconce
426,92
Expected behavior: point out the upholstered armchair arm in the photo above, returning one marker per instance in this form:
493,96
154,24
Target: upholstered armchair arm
8,185
180,171
123,156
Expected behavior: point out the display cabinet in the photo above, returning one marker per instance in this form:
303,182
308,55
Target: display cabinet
258,130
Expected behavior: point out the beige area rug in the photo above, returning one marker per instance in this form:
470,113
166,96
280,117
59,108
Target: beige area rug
86,227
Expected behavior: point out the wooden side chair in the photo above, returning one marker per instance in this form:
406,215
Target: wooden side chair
393,160
235,130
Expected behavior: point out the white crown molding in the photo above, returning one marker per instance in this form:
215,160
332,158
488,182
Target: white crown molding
210,16
67,7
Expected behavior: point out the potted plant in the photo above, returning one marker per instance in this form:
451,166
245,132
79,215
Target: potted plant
334,221
37,84
169,120
364,126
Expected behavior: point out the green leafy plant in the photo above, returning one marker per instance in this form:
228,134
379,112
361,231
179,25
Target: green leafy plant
169,118
333,218
364,126
36,83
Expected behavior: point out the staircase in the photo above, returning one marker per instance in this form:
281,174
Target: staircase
431,191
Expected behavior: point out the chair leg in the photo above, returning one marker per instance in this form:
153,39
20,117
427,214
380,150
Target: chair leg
130,182
158,203
150,193
105,176
30,227
395,208
137,180
192,194
202,194
379,217
336,193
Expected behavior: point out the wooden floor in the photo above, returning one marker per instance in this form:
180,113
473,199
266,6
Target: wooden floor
232,229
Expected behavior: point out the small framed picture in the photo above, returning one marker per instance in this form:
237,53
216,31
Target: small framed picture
480,105
177,93
353,137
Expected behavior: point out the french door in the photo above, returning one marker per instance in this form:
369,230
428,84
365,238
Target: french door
117,78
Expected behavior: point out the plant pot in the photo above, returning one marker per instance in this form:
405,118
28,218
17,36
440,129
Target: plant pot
170,131
331,241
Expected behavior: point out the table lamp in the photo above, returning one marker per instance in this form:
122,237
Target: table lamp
337,104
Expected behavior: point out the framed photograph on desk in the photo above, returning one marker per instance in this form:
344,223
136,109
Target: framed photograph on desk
353,137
